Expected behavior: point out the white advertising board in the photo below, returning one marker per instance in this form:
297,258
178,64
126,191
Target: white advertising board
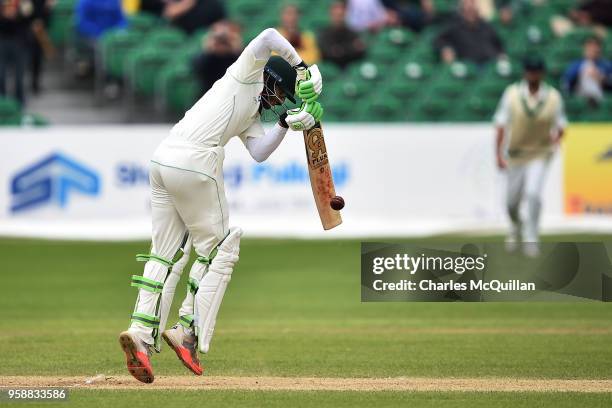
92,182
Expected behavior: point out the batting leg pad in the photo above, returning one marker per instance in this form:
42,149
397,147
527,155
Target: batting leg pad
212,288
154,297
167,294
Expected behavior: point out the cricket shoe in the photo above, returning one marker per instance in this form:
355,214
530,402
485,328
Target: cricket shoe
138,354
184,345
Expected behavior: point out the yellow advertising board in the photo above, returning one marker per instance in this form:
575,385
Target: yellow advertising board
587,157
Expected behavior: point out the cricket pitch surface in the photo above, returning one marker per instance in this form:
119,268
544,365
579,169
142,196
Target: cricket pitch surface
314,384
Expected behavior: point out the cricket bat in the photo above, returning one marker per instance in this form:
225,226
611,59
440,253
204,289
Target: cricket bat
321,179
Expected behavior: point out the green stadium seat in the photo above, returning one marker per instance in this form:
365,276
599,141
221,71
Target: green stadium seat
10,112
459,70
383,53
329,71
367,71
350,89
166,38
508,70
61,24
481,107
491,87
396,37
240,10
143,22
384,108
335,104
575,108
408,80
142,67
445,6
423,52
115,46
178,88
432,108
315,22
34,119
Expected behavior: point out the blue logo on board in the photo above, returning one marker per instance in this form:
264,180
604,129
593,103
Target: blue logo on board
52,180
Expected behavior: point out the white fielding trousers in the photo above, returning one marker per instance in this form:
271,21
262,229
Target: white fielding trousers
187,195
525,181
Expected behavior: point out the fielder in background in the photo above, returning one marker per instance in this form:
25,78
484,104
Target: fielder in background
188,205
530,122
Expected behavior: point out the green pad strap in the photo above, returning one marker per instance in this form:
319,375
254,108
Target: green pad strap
186,321
177,256
146,320
206,260
193,285
152,257
147,284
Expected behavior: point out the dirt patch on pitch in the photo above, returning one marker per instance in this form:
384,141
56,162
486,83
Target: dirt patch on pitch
314,384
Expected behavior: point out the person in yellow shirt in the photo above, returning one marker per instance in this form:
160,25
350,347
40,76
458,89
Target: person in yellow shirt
530,121
304,42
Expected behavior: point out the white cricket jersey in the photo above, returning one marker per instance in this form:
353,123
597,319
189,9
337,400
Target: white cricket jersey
230,108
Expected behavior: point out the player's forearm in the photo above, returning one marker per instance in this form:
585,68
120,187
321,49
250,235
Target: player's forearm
269,41
262,147
499,143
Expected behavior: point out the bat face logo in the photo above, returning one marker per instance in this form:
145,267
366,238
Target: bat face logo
317,152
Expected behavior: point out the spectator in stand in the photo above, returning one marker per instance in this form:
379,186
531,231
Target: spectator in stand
14,33
469,38
222,47
192,15
340,44
155,7
304,42
593,12
93,18
590,76
39,40
368,15
414,14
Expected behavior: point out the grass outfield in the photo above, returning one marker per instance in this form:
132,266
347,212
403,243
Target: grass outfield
293,310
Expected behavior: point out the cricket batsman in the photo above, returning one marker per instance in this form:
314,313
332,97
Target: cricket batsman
531,117
188,202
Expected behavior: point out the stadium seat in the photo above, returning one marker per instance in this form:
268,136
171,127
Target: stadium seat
334,101
575,108
408,80
166,38
10,112
422,52
329,71
115,46
399,38
61,23
142,67
177,88
383,53
250,8
143,22
481,107
431,108
367,71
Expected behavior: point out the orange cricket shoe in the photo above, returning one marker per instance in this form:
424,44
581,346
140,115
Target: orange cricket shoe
137,353
185,347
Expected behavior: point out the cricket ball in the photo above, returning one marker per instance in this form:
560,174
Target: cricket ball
337,203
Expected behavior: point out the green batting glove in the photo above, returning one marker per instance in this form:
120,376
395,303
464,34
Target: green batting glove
315,109
309,83
304,117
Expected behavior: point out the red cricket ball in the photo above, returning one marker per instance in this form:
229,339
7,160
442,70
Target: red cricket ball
337,203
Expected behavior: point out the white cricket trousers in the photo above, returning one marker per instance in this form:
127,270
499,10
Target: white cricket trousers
187,195
526,181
